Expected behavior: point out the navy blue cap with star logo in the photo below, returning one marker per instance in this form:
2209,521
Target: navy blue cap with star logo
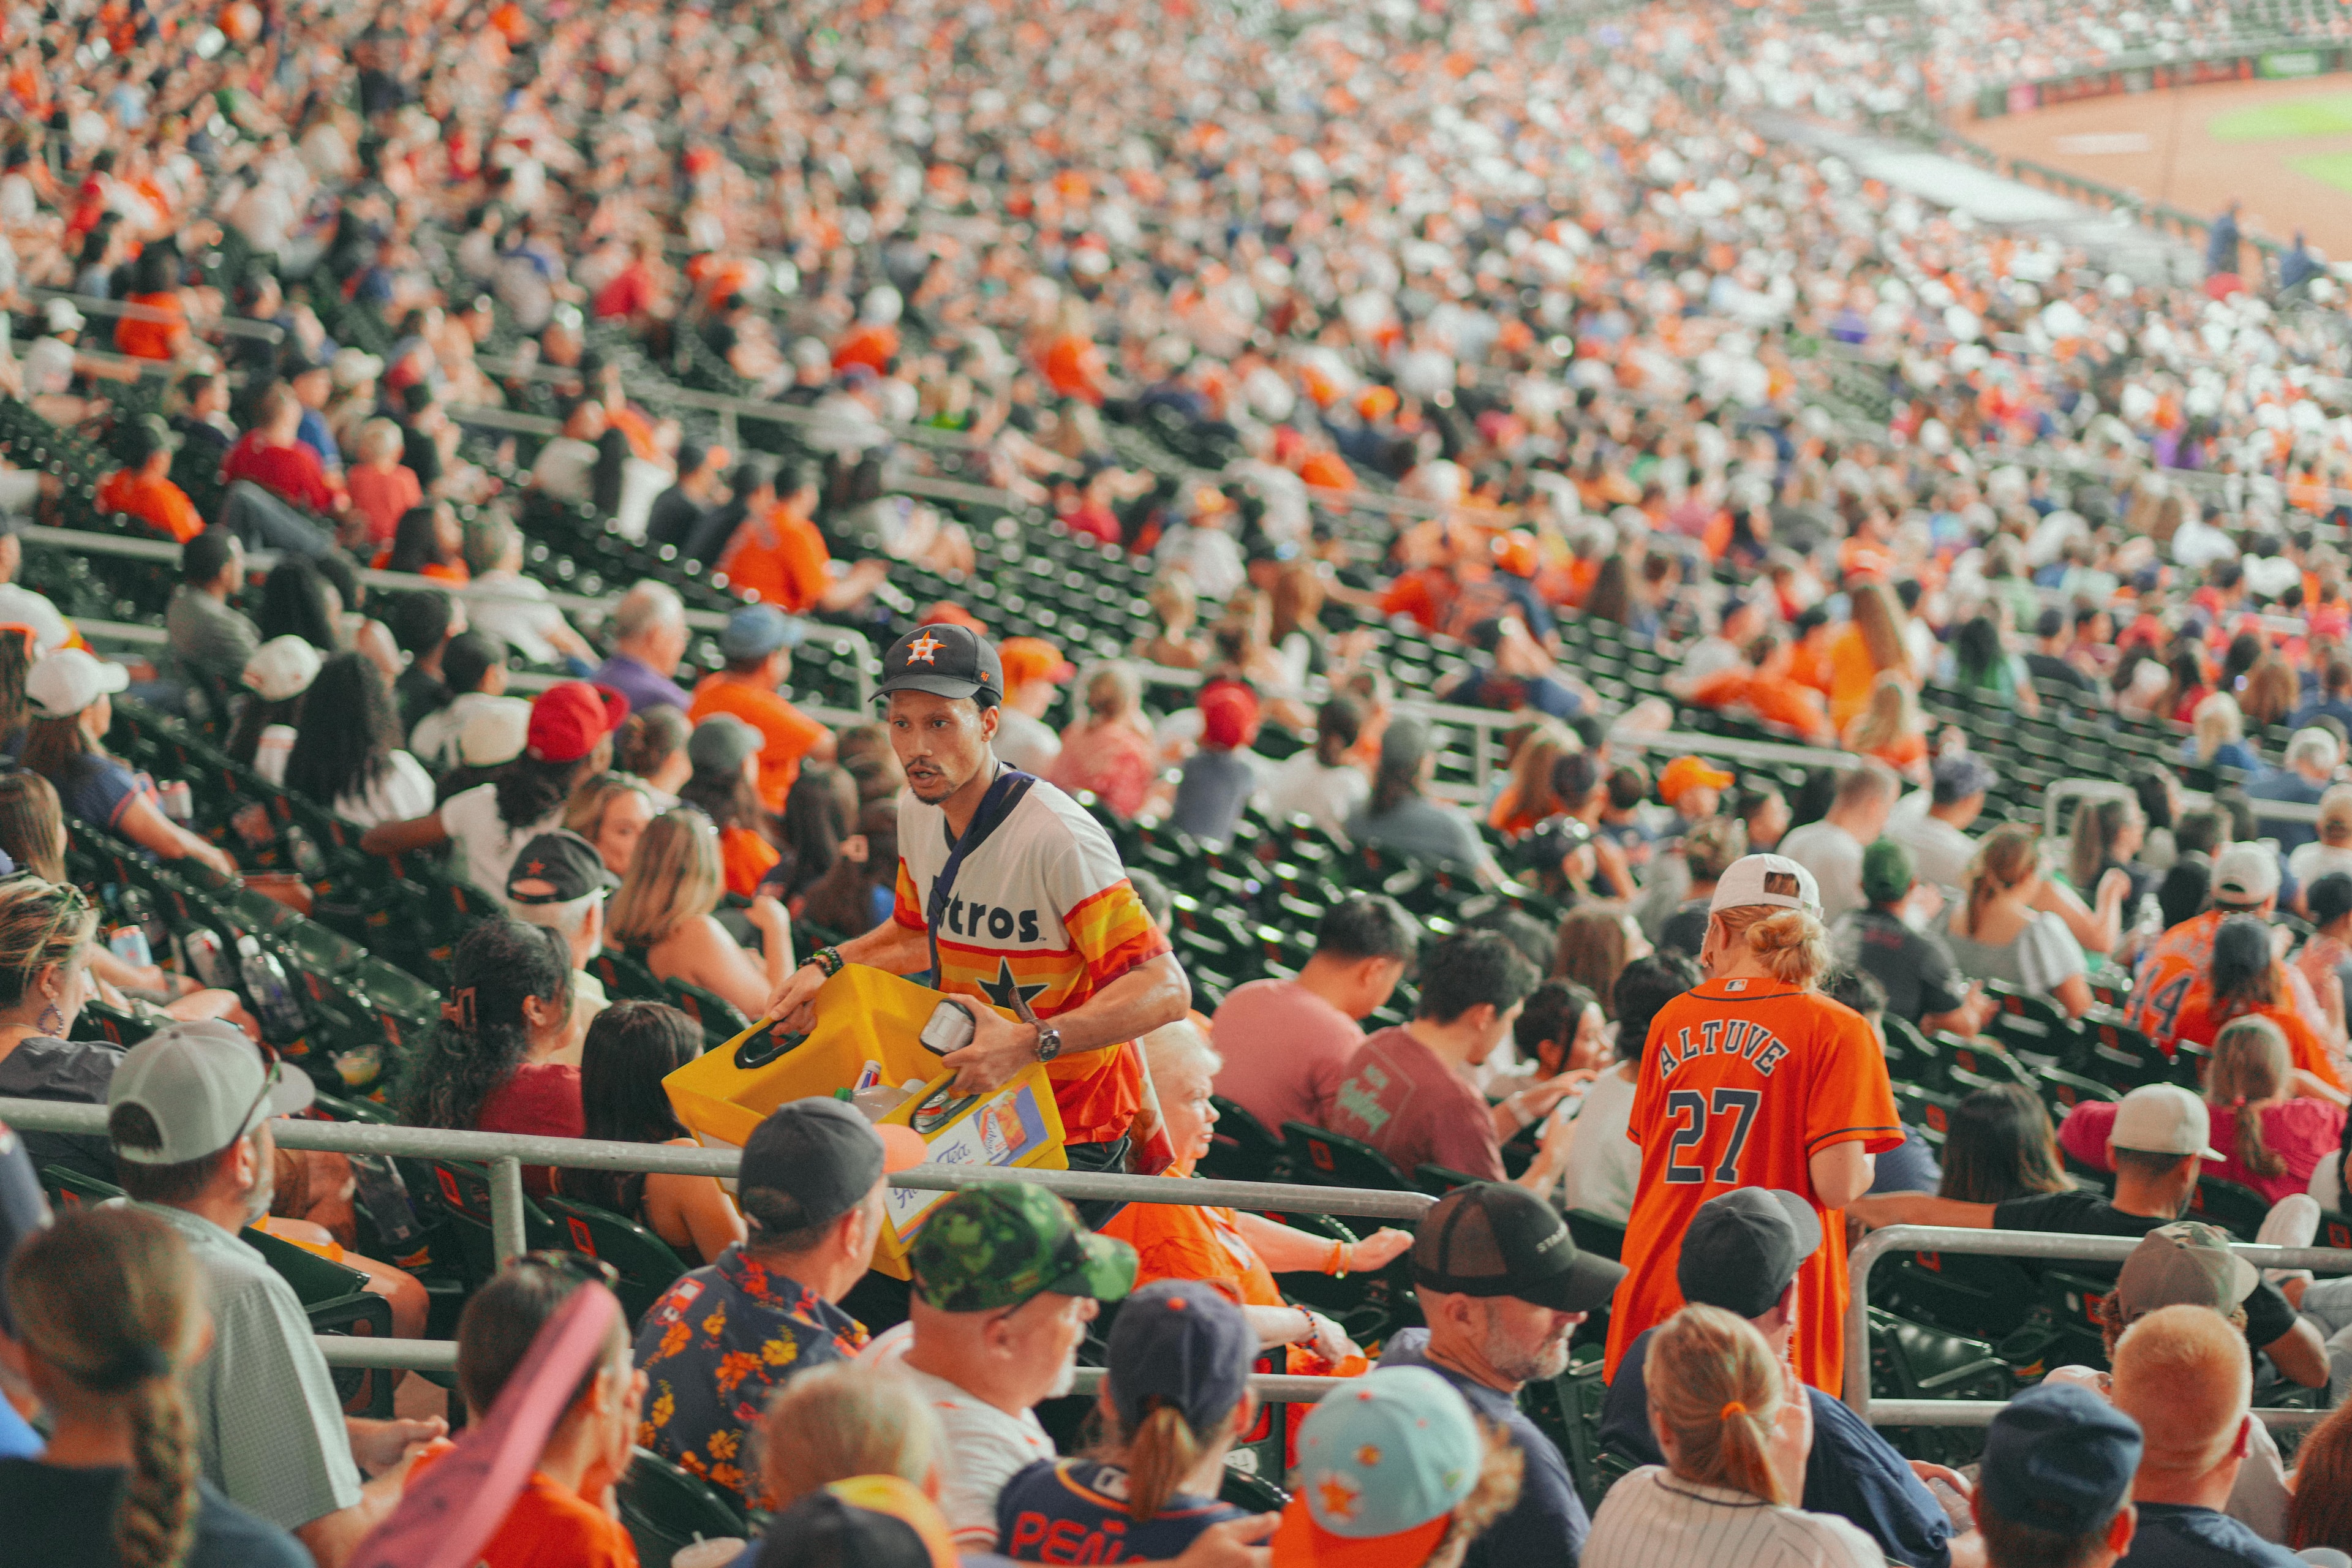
946,661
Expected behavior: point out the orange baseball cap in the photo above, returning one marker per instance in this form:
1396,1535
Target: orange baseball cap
1032,658
948,613
1685,774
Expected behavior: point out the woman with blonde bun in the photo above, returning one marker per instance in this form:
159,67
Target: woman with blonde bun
1754,1079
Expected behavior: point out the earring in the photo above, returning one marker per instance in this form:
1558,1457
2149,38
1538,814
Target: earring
51,1021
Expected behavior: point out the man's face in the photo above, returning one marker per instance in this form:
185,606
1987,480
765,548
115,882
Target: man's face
1042,1336
1526,1343
942,742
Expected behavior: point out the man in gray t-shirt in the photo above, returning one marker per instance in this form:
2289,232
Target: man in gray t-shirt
208,639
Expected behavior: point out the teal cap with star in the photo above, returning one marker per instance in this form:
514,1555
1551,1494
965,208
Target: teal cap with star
1383,1461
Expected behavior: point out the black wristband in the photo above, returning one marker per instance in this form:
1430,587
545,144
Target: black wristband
828,959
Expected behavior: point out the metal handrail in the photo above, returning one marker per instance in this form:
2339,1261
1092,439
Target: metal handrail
2014,1244
514,1151
91,304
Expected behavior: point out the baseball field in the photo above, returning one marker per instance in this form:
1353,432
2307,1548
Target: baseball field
2284,148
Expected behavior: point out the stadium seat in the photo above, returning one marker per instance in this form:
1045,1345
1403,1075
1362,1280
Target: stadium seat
1333,1160
1596,1233
647,1264
1241,1147
720,1019
1962,1292
1249,1492
2235,1207
665,1509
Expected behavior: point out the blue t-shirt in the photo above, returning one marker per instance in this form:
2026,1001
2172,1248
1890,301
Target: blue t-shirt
18,1439
2175,1535
1854,1472
1909,1167
100,791
1547,1527
1074,1511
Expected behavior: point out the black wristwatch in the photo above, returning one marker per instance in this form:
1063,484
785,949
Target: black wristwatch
1049,1042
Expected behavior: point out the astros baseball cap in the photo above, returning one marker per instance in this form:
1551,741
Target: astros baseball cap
1182,1342
205,1086
1383,1461
945,660
1742,1247
558,868
2059,1458
813,1161
1001,1242
2163,1118
69,680
1686,774
1773,879
1491,1239
2186,1264
2244,874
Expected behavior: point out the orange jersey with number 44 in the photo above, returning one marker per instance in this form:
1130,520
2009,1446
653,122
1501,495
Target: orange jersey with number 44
1742,1082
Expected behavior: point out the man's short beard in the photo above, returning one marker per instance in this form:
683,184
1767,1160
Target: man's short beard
1067,1378
1521,1362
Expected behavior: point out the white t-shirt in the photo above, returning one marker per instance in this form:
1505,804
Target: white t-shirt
403,791
984,1449
1303,786
1940,852
271,749
487,844
1603,1164
1834,857
1650,1517
524,625
2312,861
563,468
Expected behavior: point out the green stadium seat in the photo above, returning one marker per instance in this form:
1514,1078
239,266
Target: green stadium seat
1333,1160
1962,1292
1242,1147
665,1509
2236,1208
647,1264
1596,1233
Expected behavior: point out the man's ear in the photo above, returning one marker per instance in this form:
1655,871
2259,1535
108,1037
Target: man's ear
2121,1529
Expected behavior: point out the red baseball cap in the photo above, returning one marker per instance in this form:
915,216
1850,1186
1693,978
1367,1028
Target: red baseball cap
568,717
1229,715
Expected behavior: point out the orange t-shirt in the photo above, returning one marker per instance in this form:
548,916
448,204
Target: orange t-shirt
780,557
790,734
746,857
1742,1082
548,1526
150,340
2198,1025
1182,1241
1852,672
157,501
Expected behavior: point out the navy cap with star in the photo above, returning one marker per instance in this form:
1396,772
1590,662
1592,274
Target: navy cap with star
946,661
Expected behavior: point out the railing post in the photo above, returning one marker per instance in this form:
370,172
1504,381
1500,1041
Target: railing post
1857,1316
506,1206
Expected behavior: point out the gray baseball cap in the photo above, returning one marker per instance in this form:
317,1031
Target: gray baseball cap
206,1086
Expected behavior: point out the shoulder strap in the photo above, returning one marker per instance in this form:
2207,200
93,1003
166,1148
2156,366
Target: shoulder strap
1004,794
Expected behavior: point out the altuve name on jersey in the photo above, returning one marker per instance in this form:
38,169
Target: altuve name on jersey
1722,1036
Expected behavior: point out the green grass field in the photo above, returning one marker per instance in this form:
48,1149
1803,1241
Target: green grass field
2328,116
2335,168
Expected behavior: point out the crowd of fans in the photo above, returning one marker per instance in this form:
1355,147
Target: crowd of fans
1490,323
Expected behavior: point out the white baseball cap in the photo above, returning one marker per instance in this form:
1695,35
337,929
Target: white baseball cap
61,316
2163,1118
494,733
205,1086
20,606
281,667
2244,874
69,680
1773,879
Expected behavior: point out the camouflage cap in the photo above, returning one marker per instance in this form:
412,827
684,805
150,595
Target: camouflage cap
1000,1244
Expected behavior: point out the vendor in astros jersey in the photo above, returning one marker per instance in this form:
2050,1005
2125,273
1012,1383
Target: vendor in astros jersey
1037,909
1752,1079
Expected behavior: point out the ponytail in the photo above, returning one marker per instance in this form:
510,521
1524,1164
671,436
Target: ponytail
1713,1383
107,1299
158,1514
2251,1065
1790,945
2005,859
1160,1452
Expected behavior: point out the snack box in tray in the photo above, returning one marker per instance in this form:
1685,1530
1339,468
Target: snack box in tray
868,1032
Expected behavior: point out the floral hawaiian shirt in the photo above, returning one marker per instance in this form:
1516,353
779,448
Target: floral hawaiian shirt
715,1346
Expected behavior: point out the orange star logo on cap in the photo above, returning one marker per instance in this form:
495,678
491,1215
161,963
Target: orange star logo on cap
1339,1496
925,647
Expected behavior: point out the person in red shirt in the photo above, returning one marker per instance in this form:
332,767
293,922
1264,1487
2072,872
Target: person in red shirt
758,641
564,1512
271,455
142,487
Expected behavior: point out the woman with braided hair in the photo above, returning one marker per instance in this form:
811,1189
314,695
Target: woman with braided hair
108,1312
1735,1444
